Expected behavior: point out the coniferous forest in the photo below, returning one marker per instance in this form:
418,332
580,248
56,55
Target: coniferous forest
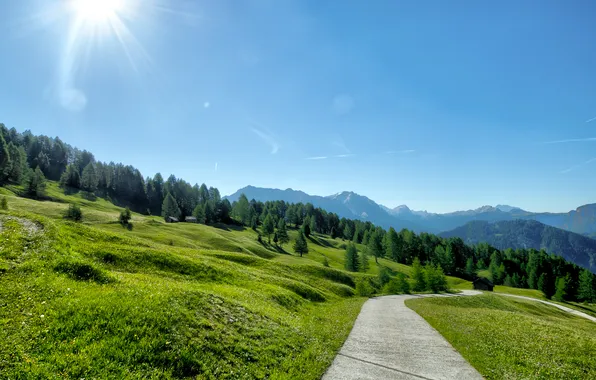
29,160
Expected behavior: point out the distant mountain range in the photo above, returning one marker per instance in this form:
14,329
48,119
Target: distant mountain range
351,205
515,234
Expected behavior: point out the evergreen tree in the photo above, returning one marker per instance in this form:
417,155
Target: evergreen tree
561,289
241,210
125,216
300,245
170,207
306,227
398,285
3,204
254,223
393,245
275,238
209,212
364,264
282,232
435,278
268,227
70,178
352,263
544,285
199,213
313,225
587,286
89,179
73,213
35,184
418,276
333,233
470,268
365,237
375,245
18,159
5,161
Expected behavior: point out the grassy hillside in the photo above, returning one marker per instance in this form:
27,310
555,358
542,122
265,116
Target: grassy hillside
164,300
507,338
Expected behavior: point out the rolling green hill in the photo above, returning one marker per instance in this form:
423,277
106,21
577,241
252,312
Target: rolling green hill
165,300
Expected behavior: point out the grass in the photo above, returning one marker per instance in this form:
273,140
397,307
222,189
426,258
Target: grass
95,300
507,338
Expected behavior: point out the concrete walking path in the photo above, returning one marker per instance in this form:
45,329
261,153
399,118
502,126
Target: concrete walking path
391,341
560,307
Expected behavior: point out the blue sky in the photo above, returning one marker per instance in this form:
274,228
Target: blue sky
440,105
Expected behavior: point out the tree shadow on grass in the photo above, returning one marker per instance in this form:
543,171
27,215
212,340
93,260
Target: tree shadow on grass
228,227
318,241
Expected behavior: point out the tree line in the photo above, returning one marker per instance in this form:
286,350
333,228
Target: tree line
28,160
522,268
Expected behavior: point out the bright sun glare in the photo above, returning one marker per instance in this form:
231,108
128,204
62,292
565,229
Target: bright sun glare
97,11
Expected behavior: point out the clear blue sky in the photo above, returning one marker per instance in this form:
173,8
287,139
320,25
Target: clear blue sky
440,105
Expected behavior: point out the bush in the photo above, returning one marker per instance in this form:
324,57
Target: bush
74,213
325,262
384,276
125,216
397,285
435,278
4,203
364,289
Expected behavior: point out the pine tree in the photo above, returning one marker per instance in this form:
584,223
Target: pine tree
393,245
561,289
352,262
375,245
170,207
300,245
241,210
275,238
306,227
70,177
470,268
268,227
199,213
35,184
125,216
89,179
282,232
5,161
18,159
364,264
313,225
544,285
418,276
3,204
587,286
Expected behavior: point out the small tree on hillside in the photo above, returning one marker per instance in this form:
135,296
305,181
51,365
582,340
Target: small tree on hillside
418,276
562,289
125,216
89,178
587,286
268,227
435,278
199,213
282,232
470,268
4,203
364,265
73,213
300,245
35,185
375,245
169,207
352,262
306,227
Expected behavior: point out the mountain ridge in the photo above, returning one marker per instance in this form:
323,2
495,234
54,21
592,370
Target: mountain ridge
349,204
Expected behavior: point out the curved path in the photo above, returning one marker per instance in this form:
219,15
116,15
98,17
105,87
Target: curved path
561,307
391,341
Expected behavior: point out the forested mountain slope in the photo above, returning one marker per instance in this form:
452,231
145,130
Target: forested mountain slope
576,248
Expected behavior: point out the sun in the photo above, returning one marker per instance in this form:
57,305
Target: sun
97,11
